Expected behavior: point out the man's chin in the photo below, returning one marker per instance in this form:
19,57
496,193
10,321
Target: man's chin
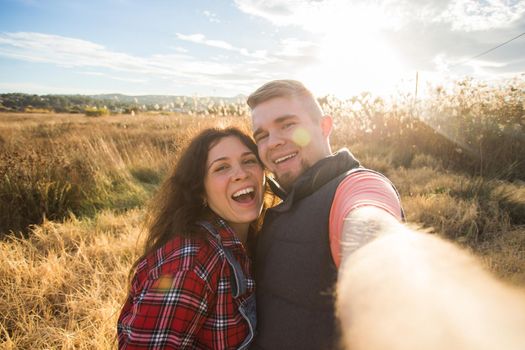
286,181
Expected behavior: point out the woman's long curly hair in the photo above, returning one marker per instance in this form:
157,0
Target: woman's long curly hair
179,204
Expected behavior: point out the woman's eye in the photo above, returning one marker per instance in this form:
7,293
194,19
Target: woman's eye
220,168
251,161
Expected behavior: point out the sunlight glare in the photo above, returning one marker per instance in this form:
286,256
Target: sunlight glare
354,56
301,137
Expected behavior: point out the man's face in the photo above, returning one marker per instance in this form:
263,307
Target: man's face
289,140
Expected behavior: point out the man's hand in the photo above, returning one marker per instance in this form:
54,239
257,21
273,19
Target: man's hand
403,289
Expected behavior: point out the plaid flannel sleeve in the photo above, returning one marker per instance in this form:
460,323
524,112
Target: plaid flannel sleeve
167,314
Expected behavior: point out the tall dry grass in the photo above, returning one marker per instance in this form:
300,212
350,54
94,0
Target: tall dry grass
53,165
469,126
63,285
62,282
61,288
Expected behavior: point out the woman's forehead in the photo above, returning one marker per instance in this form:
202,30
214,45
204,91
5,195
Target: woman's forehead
228,147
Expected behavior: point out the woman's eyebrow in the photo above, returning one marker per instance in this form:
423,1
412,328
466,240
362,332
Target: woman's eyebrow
226,158
217,160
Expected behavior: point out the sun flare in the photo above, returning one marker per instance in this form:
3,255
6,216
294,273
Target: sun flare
353,55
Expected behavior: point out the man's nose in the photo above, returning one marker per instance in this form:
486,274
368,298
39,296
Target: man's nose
274,140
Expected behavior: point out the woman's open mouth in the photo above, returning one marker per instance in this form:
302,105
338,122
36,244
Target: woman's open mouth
245,195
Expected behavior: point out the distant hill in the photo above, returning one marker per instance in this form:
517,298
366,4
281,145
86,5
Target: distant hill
164,99
119,103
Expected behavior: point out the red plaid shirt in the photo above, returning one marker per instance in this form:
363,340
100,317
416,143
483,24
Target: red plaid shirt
181,296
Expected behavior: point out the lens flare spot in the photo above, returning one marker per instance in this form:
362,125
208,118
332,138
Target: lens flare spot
163,283
301,137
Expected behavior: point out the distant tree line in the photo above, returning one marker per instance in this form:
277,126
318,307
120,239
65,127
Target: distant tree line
19,102
120,104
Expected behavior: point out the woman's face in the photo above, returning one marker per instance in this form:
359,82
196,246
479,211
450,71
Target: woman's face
234,182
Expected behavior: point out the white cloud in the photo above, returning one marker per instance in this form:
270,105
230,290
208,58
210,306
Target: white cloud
322,15
32,88
418,35
100,74
275,11
76,53
486,64
294,47
63,51
201,39
212,17
71,52
97,74
180,68
484,67
180,49
325,16
220,44
469,15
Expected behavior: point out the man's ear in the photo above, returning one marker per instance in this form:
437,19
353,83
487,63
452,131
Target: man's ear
327,125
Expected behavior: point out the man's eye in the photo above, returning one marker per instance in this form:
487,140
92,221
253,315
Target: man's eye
288,125
260,137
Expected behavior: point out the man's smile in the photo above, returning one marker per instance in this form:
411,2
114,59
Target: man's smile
284,158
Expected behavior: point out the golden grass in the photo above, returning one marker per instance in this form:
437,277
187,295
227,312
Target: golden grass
62,285
53,164
504,254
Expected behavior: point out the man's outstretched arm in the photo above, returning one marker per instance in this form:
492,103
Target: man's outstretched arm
399,288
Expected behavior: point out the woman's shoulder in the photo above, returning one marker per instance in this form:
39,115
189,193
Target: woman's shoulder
200,254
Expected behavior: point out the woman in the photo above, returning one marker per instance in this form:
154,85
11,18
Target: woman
193,288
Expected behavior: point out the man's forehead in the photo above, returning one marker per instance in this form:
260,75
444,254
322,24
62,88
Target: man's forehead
274,110
263,121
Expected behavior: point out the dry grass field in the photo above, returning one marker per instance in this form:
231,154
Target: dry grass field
82,183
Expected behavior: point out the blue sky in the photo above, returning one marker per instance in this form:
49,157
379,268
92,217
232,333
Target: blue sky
225,48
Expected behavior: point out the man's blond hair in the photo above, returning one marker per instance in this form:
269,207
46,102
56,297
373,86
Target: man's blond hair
285,89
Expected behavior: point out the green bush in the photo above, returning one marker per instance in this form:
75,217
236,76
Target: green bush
96,112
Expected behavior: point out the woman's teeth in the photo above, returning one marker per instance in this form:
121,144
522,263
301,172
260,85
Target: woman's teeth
244,195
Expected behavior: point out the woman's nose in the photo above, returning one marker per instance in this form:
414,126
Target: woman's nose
239,173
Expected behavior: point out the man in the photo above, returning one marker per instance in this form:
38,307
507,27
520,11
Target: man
299,247
340,227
